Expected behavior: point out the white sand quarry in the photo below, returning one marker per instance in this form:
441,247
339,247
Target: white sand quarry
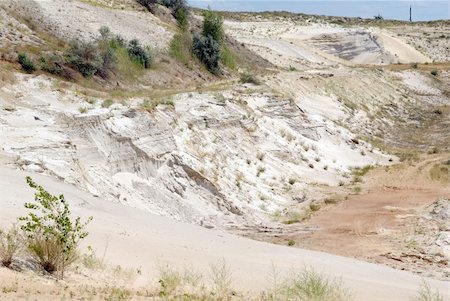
288,43
133,238
217,159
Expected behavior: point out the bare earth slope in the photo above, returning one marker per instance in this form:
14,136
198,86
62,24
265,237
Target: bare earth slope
78,20
135,238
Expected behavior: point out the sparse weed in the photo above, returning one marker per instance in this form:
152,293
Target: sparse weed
248,78
426,293
10,245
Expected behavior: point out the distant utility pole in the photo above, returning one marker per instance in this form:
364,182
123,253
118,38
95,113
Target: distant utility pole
410,13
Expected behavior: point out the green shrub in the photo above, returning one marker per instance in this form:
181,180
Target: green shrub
139,54
52,234
180,48
84,57
182,18
52,64
213,26
10,244
109,62
208,52
26,63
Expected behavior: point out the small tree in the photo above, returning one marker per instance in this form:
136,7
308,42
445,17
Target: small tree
213,26
52,234
139,54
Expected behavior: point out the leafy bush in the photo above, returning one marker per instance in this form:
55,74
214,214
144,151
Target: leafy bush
213,26
10,244
52,234
208,52
180,48
109,62
181,15
139,54
84,57
52,64
26,63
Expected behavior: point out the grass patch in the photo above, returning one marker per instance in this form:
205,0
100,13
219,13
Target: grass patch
357,190
228,58
180,48
248,78
359,172
309,285
440,172
151,105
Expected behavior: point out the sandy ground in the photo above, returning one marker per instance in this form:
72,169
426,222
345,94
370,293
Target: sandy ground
133,238
379,223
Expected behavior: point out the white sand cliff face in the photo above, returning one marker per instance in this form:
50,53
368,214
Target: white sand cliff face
217,159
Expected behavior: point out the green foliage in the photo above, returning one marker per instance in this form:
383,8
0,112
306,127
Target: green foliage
182,18
10,244
312,286
26,63
108,60
84,57
52,64
180,48
53,235
107,103
228,58
139,54
213,26
208,52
